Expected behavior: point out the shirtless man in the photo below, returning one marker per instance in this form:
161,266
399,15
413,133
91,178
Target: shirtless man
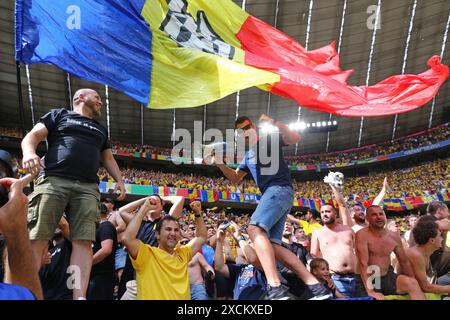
335,243
374,246
440,259
196,267
358,217
428,239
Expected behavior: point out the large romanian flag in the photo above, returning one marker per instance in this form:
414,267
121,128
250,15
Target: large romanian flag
186,53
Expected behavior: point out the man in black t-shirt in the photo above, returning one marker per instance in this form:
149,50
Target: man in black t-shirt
54,276
296,285
101,284
77,144
248,279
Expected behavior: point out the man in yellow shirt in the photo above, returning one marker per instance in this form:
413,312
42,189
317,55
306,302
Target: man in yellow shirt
309,224
162,273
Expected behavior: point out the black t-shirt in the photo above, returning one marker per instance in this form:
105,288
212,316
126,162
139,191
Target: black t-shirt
54,275
105,231
296,285
75,144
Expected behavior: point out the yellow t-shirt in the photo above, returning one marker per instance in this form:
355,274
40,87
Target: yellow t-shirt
308,227
161,276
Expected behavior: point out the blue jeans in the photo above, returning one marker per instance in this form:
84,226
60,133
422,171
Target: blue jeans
350,285
198,292
270,214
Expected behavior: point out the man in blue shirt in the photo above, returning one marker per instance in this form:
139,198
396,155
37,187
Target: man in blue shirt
264,160
248,280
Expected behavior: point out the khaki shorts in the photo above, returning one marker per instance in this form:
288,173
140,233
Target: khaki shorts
53,196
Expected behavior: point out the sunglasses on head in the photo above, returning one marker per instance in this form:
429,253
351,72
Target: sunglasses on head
247,127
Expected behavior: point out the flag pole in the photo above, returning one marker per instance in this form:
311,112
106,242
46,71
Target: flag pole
19,93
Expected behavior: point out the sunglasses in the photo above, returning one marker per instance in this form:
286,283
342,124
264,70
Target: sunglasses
247,127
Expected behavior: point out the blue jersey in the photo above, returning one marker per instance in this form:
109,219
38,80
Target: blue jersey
267,165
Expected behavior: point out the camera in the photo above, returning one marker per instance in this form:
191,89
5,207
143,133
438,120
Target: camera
8,169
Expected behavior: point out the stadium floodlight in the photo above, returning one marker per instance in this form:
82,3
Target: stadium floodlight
302,125
318,126
298,126
268,128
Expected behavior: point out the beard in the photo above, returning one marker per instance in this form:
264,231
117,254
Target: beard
91,105
97,113
330,220
360,219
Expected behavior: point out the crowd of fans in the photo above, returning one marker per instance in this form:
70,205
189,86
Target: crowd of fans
11,132
217,271
413,141
424,179
158,248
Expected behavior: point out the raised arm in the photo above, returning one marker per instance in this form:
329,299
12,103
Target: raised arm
344,212
289,136
118,222
31,161
129,235
132,206
201,232
380,197
177,205
247,250
315,245
219,264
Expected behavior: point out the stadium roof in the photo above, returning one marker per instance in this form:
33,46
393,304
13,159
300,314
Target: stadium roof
316,21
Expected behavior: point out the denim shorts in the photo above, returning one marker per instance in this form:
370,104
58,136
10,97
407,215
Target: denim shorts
350,285
270,214
198,292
